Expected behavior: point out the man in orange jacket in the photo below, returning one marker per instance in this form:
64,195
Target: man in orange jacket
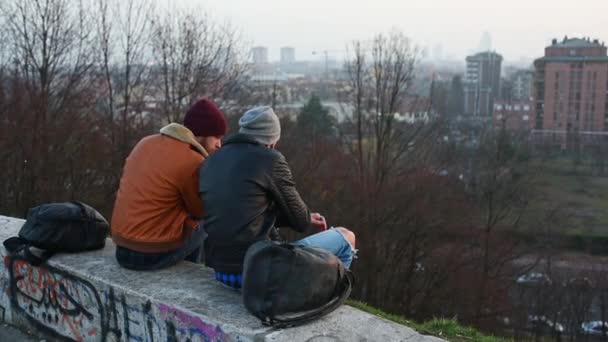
155,221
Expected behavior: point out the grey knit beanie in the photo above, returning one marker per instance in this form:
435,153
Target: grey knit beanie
262,124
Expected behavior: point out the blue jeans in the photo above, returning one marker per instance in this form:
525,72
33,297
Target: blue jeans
333,241
330,240
191,250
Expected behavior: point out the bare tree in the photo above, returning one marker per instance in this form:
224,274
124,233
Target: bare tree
196,57
124,31
132,57
5,151
76,78
501,185
381,77
356,69
104,36
51,48
387,154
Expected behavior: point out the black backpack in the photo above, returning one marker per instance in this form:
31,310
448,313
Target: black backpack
286,285
59,227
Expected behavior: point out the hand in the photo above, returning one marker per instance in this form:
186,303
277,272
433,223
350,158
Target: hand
318,221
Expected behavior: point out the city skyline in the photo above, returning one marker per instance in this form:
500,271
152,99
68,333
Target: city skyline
521,29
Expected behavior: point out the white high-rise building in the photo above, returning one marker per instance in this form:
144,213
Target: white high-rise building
259,54
288,55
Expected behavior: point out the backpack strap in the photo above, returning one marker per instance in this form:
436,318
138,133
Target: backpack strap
37,260
346,286
16,245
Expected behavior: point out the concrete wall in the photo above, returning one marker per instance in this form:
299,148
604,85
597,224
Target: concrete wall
88,297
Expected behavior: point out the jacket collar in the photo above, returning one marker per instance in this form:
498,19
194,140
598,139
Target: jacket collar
183,134
241,138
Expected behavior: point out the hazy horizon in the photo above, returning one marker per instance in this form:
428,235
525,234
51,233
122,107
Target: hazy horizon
519,29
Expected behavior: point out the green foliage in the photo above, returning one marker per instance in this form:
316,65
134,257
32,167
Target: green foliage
582,198
448,329
314,119
452,331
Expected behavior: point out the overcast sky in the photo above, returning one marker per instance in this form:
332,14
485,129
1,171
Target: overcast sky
518,28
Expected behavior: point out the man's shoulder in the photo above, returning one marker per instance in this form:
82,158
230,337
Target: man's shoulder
246,149
149,139
268,155
277,155
171,152
160,140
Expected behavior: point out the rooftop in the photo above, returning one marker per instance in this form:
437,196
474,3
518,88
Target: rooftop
485,55
576,43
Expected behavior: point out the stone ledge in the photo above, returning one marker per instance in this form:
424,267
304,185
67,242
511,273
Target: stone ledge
88,296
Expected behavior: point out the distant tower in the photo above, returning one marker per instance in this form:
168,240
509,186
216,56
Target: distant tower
288,55
482,83
260,54
485,44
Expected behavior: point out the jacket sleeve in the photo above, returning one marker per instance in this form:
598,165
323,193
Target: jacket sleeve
292,209
189,193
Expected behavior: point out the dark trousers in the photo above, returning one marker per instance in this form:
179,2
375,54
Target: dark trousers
191,250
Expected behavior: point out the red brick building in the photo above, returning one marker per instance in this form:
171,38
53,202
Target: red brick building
514,116
570,93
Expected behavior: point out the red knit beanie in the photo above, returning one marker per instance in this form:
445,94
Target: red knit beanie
204,119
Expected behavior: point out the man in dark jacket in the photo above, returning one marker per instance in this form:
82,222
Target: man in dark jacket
247,190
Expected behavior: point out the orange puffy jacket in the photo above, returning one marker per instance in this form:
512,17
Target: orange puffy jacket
157,205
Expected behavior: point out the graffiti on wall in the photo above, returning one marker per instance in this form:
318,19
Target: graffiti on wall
73,309
196,326
55,299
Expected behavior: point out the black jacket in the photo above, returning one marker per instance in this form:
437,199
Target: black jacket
247,190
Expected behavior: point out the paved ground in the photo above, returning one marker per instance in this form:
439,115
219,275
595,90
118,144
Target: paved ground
10,333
